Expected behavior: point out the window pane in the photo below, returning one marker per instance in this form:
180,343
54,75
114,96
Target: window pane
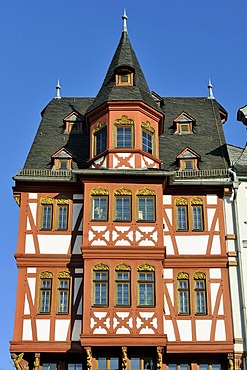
124,137
182,217
74,366
114,363
216,367
47,366
47,217
99,208
147,142
172,367
123,294
123,209
135,363
148,363
145,294
184,366
146,209
203,367
102,363
45,301
100,142
62,217
197,218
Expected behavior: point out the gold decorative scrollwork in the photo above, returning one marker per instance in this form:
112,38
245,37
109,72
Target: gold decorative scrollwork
62,201
145,191
19,362
124,358
160,351
36,363
99,191
196,201
147,126
122,191
46,200
124,121
145,267
63,275
100,125
100,266
183,275
46,275
199,275
17,199
89,357
181,202
122,267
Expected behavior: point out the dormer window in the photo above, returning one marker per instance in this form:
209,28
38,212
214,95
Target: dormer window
184,124
188,160
62,160
63,164
73,123
124,77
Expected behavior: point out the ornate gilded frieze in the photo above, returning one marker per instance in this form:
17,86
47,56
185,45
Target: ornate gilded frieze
46,275
99,191
181,202
122,191
147,126
100,125
17,199
196,201
145,267
199,275
145,192
124,121
122,267
46,200
89,357
100,266
63,275
62,201
124,358
182,275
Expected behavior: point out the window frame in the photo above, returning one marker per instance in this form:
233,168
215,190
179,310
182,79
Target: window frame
145,270
108,363
74,366
123,126
183,277
93,209
46,225
151,136
179,223
59,207
123,282
123,218
200,277
54,204
143,217
43,302
100,269
201,220
62,277
101,136
188,126
190,205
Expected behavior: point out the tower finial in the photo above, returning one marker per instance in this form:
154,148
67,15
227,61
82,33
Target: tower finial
58,87
124,18
210,88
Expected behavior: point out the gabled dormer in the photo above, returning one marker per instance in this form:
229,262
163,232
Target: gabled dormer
73,123
62,159
183,124
188,160
124,76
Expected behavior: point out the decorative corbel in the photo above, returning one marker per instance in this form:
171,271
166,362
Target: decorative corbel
36,363
19,362
230,361
160,351
124,358
89,357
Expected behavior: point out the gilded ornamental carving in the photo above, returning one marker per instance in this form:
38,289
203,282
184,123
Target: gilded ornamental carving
124,121
145,267
100,125
183,275
46,275
99,191
181,202
62,201
89,357
124,358
122,191
145,192
196,201
46,200
147,126
100,266
122,267
17,199
63,275
199,275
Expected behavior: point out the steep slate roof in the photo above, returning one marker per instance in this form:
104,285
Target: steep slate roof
238,157
124,57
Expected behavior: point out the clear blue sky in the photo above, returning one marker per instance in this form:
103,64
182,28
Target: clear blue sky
180,44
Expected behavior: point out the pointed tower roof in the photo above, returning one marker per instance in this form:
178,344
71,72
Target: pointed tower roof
124,57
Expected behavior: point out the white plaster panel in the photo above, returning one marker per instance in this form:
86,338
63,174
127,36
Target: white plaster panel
122,330
31,270
168,273
54,244
79,271
167,199
146,229
184,328
122,315
114,162
76,331
26,306
33,209
154,322
146,315
97,161
91,235
33,195
132,161
130,236
27,330
214,287
106,235
170,292
98,242
100,315
192,244
220,330
61,330
146,330
122,242
169,330
216,245
31,284
146,242
212,199
149,161
78,196
203,329
215,273
92,323
99,228
29,245
100,330
79,310
28,224
122,229
217,228
43,329
168,244
115,322
221,307
210,215
107,323
77,284
169,216
78,242
139,322
75,215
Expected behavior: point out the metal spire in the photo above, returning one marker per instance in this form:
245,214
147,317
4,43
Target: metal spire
58,87
124,18
210,88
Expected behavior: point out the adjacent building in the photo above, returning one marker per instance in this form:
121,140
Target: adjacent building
122,255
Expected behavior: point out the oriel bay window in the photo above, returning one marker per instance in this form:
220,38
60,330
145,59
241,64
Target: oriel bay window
183,293
100,285
148,137
146,205
146,287
124,135
122,204
122,284
200,293
45,292
63,292
99,204
100,137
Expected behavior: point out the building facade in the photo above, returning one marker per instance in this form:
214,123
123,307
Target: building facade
122,251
